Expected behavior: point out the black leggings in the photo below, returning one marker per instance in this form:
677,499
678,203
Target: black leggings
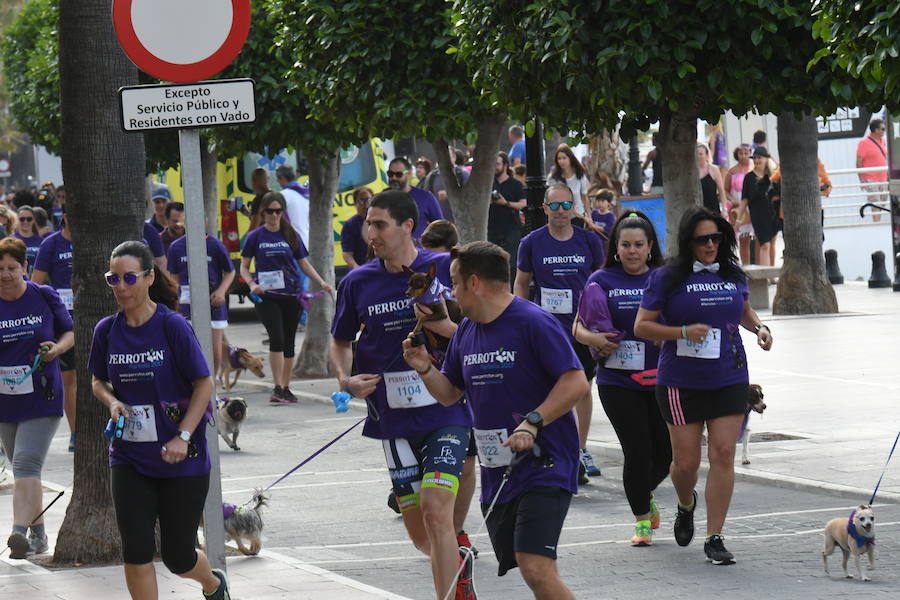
645,441
280,317
177,502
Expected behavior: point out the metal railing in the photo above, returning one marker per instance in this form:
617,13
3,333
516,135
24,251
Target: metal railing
849,193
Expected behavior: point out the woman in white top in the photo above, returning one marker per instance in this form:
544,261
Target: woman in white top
568,169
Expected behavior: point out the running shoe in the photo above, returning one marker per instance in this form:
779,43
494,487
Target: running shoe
590,468
716,552
221,592
643,534
37,544
465,583
684,523
288,395
462,540
18,545
654,513
277,396
392,502
583,479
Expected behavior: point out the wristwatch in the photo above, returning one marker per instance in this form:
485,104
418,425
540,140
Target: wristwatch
185,435
535,418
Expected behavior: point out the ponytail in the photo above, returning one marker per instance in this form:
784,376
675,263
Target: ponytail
164,290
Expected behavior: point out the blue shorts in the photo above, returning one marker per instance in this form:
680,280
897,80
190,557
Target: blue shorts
434,460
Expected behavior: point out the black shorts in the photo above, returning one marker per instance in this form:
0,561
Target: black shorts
680,406
67,360
587,361
434,460
530,523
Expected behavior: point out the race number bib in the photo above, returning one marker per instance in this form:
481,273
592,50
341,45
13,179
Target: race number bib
491,451
707,348
12,374
556,301
405,389
68,298
185,297
629,356
271,280
141,424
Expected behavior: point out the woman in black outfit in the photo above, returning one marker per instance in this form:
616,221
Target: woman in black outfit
755,198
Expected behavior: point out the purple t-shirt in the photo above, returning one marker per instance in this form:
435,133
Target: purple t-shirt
151,368
560,269
604,220
151,238
38,316
429,210
706,298
273,255
55,258
352,240
623,296
373,297
32,245
507,368
218,262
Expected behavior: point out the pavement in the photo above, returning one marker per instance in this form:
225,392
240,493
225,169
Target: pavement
818,451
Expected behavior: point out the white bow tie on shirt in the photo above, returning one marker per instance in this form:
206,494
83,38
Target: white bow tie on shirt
712,267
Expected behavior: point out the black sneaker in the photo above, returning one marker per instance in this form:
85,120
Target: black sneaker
221,592
392,502
684,524
277,396
716,552
288,396
583,478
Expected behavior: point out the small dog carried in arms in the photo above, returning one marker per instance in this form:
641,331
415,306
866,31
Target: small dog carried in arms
854,536
233,364
230,416
245,524
426,289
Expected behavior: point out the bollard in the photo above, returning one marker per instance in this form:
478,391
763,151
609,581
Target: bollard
832,270
879,278
897,273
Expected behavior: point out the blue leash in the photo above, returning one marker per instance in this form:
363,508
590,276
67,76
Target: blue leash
25,375
890,454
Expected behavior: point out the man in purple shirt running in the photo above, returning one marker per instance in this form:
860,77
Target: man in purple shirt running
398,173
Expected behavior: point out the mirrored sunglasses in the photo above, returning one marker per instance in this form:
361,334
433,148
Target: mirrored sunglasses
566,205
112,279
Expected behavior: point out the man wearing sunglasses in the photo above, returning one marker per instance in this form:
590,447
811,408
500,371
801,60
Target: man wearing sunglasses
429,209
560,258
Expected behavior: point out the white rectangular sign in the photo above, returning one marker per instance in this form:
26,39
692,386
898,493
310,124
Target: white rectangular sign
181,106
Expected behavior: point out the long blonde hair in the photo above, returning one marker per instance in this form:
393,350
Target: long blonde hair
12,219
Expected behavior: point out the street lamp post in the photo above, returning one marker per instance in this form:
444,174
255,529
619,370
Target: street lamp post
535,182
635,185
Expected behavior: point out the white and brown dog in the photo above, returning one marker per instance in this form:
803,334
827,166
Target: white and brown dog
754,404
854,536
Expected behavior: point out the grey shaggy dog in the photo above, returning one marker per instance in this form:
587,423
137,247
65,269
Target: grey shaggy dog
246,524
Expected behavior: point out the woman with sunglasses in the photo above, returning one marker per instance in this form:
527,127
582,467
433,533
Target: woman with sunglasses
702,379
148,367
27,231
624,381
35,328
279,256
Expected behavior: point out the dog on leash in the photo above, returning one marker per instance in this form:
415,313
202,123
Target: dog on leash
854,536
235,362
230,417
754,404
245,524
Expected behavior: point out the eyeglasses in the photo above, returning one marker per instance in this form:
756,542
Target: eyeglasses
397,174
26,219
273,211
566,205
715,238
113,279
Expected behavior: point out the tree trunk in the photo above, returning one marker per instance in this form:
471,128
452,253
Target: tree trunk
324,173
470,202
681,184
803,286
104,173
209,165
607,158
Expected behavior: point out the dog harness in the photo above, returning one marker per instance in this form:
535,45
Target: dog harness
861,540
228,510
233,356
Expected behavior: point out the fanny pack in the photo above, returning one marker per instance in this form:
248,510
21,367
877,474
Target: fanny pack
646,378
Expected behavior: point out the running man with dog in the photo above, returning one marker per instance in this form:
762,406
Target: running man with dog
625,378
221,274
148,367
560,257
35,329
279,256
424,443
516,366
702,297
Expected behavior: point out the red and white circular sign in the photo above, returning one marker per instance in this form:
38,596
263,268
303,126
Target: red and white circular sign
181,40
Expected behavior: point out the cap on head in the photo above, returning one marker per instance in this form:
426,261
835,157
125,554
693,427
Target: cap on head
160,190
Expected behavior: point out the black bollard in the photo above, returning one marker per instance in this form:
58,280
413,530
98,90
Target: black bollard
831,267
879,278
897,273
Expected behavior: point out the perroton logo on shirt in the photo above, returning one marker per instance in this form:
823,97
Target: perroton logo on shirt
138,358
579,259
500,356
22,321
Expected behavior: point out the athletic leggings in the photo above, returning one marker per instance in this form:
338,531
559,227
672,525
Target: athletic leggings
176,501
280,317
644,436
26,444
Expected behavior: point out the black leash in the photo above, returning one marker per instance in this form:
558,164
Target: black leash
39,515
890,454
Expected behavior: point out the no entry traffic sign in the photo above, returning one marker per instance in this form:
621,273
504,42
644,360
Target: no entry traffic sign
181,40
